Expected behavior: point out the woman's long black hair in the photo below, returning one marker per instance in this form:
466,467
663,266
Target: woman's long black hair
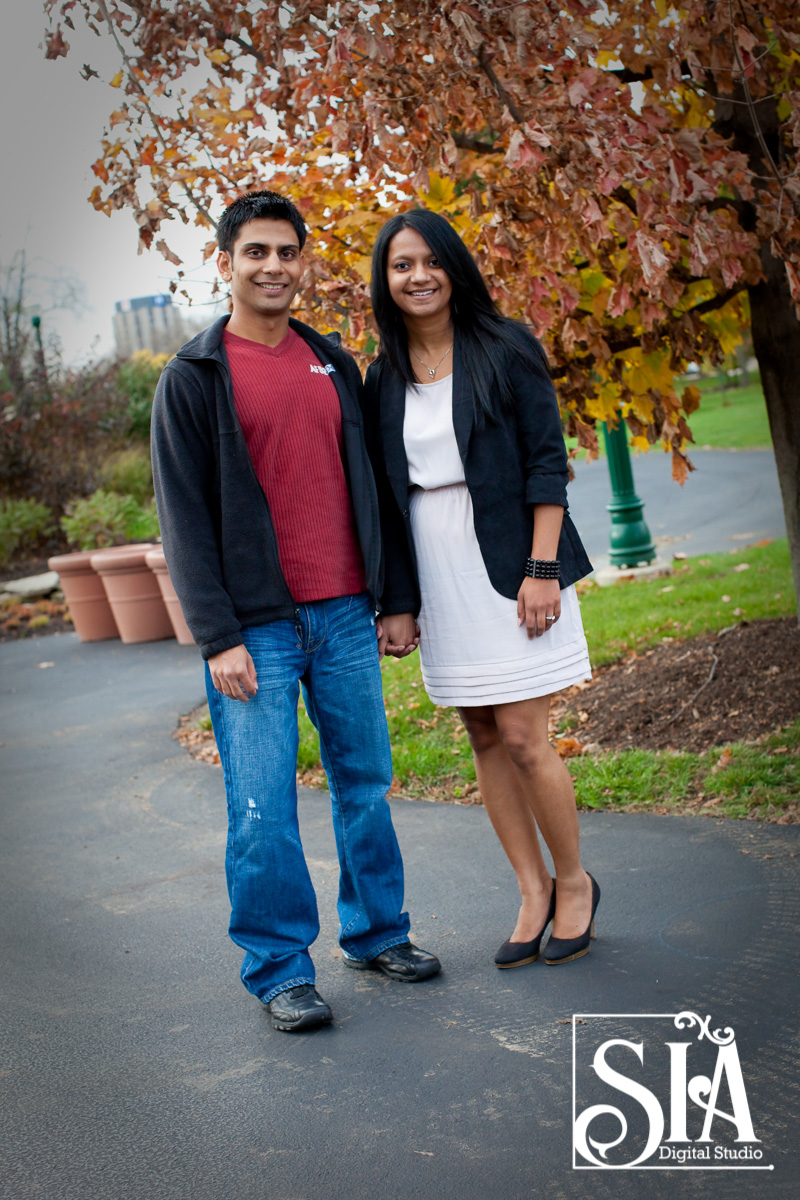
483,332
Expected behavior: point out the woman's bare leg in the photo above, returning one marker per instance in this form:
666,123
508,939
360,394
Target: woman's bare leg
511,817
547,787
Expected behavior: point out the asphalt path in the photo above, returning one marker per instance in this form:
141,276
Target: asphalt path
730,500
135,1066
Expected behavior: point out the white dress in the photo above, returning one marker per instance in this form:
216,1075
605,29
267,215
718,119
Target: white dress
471,648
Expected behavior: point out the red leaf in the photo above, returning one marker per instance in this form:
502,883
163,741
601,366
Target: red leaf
56,46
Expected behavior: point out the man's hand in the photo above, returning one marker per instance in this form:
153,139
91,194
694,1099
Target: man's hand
537,600
233,673
398,635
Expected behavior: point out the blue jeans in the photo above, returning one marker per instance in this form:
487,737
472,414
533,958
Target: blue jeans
333,652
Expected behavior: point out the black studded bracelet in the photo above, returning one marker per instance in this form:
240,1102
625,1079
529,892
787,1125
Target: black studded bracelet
542,568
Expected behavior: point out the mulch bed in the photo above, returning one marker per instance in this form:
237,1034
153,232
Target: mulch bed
32,618
690,695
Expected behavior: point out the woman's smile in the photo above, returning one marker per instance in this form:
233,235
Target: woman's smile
417,283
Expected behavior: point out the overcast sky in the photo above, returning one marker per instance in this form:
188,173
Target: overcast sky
50,130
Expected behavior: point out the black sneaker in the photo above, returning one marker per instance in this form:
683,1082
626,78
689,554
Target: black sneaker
405,962
299,1008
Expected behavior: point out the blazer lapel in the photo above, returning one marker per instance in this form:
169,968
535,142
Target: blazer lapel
463,410
392,416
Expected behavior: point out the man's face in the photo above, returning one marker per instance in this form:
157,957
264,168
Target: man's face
265,268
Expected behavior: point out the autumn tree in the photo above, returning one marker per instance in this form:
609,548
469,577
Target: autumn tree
625,172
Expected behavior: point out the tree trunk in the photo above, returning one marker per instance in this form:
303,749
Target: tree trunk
776,345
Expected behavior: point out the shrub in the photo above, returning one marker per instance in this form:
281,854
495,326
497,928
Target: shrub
129,472
136,380
109,519
23,524
53,437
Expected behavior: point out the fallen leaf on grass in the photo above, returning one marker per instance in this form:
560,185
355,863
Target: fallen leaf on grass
722,763
742,567
568,747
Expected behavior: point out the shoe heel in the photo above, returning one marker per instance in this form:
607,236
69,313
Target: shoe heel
564,950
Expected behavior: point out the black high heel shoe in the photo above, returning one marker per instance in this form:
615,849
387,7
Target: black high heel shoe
517,954
564,950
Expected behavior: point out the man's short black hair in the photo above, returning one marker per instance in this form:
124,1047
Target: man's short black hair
252,206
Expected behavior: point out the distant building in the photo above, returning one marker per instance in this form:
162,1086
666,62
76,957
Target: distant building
148,323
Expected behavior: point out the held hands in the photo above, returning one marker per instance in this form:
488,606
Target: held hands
537,600
398,635
233,673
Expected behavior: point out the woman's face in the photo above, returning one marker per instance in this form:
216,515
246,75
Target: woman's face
417,284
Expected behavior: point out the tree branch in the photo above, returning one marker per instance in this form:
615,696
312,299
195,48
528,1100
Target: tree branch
248,47
633,340
762,141
464,142
159,135
502,94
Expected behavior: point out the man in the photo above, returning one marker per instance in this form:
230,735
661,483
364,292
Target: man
270,527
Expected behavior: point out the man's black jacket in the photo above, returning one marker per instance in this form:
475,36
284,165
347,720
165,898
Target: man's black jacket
216,526
509,465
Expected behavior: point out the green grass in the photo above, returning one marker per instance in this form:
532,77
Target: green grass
733,419
432,759
634,616
755,780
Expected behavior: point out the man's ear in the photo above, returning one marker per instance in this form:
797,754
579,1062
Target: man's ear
224,265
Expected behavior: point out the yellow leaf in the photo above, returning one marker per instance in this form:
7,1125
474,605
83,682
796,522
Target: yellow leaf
784,109
118,78
363,265
441,193
217,57
605,405
600,303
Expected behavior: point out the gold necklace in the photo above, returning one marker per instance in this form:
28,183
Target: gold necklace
432,370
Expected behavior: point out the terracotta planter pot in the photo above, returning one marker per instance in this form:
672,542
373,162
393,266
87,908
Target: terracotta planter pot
158,565
133,593
84,592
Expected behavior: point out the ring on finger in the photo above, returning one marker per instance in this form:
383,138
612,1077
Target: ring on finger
549,618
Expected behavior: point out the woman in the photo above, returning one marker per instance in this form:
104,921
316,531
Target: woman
472,472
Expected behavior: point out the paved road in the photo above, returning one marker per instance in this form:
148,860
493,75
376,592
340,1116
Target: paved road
134,1065
730,500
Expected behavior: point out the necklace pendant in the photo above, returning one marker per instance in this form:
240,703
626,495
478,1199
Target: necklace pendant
432,372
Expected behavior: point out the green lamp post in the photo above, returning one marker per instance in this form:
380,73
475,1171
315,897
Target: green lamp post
631,544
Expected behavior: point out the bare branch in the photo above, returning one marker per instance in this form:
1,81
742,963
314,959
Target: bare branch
762,141
159,135
502,94
474,144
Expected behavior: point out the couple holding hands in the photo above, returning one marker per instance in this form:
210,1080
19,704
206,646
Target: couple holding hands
296,503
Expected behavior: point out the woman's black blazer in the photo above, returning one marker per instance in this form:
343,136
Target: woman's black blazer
509,465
